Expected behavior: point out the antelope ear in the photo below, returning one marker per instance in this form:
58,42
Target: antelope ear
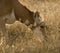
36,14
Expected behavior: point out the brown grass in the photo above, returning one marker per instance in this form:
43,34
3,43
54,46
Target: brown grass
33,42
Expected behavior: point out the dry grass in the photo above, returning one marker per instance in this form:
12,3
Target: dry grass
23,40
50,11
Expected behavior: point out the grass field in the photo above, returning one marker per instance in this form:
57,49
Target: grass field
23,40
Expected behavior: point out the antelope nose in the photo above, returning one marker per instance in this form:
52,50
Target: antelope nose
42,24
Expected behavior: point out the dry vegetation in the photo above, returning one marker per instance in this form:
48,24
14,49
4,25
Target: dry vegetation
21,39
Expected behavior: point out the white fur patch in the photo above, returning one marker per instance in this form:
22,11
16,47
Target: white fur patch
27,22
10,17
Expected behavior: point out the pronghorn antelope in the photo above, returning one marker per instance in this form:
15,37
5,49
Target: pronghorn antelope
26,16
21,12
